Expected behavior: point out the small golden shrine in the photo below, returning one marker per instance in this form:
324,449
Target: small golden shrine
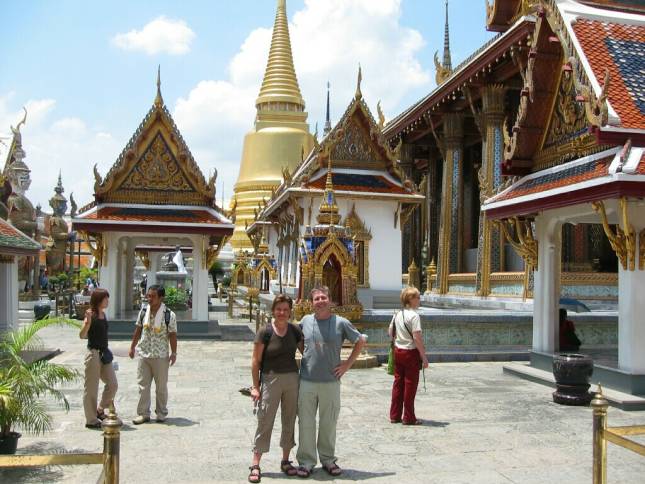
327,257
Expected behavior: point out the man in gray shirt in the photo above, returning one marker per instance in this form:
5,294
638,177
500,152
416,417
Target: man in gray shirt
320,373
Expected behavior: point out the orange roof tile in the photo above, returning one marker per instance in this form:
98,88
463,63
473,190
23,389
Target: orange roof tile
618,48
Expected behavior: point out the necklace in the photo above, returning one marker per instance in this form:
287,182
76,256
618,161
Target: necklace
280,331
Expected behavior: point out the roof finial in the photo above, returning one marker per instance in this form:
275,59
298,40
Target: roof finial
447,62
327,116
444,69
159,99
359,94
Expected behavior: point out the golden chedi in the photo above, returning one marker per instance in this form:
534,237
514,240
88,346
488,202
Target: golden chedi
280,135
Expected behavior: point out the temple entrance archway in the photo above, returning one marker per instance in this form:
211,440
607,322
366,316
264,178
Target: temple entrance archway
332,279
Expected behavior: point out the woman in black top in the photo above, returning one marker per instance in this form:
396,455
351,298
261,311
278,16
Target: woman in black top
275,383
95,330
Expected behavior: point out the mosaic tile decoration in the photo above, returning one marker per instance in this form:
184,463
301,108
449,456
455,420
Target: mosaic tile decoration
454,212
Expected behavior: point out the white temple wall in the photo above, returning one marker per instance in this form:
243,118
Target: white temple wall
9,295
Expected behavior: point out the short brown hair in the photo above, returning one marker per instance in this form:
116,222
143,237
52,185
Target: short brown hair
97,298
281,298
407,294
323,289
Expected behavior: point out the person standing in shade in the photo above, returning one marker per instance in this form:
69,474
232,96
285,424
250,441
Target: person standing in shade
95,330
275,383
320,372
409,357
156,330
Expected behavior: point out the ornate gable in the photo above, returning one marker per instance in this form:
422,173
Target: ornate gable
156,167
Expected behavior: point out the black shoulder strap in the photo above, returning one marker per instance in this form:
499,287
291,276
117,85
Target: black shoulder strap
140,316
268,332
166,315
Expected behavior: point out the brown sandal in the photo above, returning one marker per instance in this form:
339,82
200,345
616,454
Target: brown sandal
287,468
255,477
333,469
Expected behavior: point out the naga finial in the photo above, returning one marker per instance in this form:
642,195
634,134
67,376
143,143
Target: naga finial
16,130
381,116
159,98
97,178
73,204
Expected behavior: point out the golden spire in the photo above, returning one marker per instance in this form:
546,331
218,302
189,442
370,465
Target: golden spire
280,84
158,98
328,211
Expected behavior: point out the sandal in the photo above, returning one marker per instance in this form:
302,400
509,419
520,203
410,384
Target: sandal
287,468
303,472
333,469
255,476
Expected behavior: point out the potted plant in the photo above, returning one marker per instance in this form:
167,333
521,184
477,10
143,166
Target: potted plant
24,383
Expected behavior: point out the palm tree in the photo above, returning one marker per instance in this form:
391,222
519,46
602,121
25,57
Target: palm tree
24,385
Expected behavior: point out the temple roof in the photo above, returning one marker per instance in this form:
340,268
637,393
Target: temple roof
612,173
150,218
156,167
361,163
616,44
14,242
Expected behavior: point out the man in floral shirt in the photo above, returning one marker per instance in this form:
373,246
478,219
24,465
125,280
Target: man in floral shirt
156,329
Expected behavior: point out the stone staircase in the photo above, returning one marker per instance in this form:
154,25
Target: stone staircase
26,309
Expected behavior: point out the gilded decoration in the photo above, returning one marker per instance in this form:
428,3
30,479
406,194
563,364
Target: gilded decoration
622,239
568,116
413,275
361,236
155,167
519,234
145,258
641,250
431,273
331,263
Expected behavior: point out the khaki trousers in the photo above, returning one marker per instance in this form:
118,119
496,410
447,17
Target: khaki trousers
95,371
153,369
277,389
323,397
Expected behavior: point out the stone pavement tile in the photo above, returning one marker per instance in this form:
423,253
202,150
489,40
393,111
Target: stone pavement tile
482,426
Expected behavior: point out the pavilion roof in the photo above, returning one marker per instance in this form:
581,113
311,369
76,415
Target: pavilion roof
14,242
612,173
153,218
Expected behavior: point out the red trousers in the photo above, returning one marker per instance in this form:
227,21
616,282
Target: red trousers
404,388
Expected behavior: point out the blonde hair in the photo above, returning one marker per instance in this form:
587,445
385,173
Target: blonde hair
407,294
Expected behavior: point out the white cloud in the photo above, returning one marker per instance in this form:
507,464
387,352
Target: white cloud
161,35
67,145
329,38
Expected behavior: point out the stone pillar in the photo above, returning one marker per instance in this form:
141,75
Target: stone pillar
109,272
129,274
8,293
294,260
547,284
631,303
151,273
200,279
434,205
489,248
450,233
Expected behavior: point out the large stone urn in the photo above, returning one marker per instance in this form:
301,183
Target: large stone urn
572,372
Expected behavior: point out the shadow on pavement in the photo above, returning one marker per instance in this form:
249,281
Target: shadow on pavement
180,422
434,423
39,474
348,475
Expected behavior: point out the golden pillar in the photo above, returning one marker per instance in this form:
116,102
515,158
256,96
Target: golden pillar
450,231
280,136
490,248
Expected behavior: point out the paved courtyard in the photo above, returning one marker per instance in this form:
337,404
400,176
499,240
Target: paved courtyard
481,426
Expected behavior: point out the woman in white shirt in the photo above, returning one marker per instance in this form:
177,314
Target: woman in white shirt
409,357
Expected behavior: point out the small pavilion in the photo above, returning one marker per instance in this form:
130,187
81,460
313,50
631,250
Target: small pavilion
154,197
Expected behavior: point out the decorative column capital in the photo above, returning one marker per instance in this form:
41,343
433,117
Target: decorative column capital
453,129
493,102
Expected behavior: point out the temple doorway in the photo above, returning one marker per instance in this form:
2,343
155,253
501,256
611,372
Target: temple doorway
332,279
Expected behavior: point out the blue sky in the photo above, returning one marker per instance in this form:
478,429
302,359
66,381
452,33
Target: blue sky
86,94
